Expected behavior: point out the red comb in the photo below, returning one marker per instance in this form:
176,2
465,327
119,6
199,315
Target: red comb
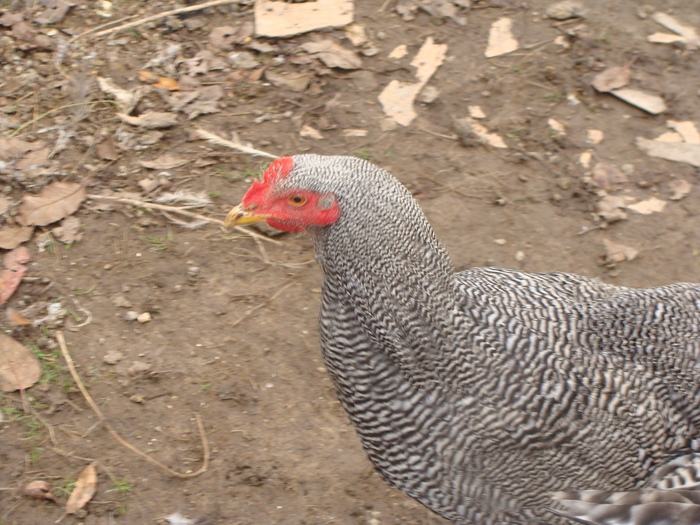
279,169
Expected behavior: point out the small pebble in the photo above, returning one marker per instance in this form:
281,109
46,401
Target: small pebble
144,318
113,357
137,398
428,95
131,316
565,10
519,256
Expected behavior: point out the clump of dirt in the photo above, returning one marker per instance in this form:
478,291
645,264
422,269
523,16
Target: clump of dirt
523,159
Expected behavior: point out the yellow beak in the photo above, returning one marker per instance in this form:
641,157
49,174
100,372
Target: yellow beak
239,215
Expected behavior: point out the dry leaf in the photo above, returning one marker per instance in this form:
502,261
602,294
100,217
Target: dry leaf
33,159
556,126
606,175
646,207
594,136
54,13
164,162
476,112
686,129
69,230
224,37
688,35
297,82
150,119
15,318
127,98
106,149
611,208
332,54
13,271
274,18
650,103
156,81
616,253
39,489
397,98
356,34
5,204
676,151
585,158
11,148
471,132
53,203
308,132
19,367
501,39
611,78
84,490
178,519
167,83
399,52
11,237
680,188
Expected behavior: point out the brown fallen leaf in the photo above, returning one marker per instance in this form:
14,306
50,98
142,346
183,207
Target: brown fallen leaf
616,253
332,54
12,147
397,97
611,208
40,490
224,37
55,12
295,81
13,271
676,151
106,149
680,188
160,82
648,206
501,39
11,237
166,161
150,119
612,78
15,318
56,201
33,159
69,230
273,18
653,104
84,490
606,175
19,367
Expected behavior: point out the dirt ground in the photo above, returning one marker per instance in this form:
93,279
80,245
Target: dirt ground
233,335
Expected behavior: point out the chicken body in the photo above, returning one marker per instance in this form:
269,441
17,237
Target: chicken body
482,393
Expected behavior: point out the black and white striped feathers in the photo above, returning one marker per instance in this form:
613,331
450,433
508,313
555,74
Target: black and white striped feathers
494,396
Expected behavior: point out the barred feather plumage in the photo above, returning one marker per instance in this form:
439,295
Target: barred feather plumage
484,393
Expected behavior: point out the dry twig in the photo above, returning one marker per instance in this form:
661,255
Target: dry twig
257,307
164,14
117,437
181,211
231,144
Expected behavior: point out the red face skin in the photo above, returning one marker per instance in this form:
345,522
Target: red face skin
295,209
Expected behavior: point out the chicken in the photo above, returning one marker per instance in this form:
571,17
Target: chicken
493,396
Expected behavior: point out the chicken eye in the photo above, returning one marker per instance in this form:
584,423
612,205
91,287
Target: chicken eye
296,200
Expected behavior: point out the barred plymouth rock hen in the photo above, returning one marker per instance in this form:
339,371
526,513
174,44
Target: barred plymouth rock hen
494,396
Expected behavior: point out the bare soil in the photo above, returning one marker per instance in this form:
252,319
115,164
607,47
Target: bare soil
233,334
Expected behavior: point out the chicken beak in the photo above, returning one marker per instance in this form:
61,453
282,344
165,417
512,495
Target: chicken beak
240,215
